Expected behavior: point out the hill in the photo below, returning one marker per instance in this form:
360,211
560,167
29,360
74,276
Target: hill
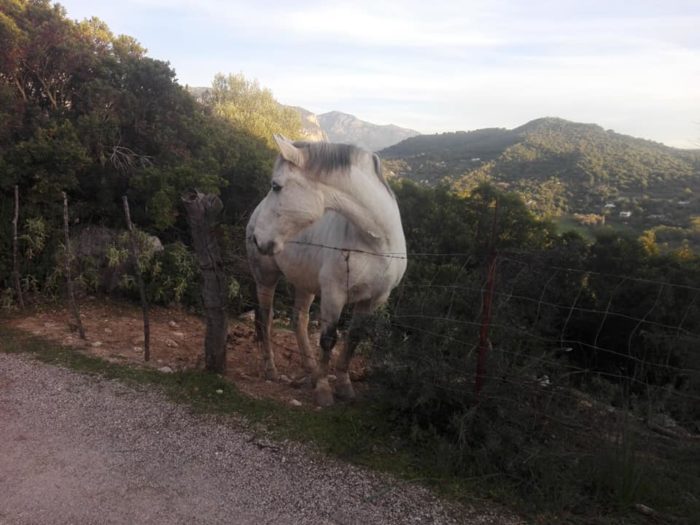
561,167
336,126
341,127
311,128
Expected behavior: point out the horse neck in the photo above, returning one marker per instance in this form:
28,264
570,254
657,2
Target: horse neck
364,200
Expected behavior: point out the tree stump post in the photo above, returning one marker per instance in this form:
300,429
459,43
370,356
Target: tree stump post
202,213
68,260
133,248
15,258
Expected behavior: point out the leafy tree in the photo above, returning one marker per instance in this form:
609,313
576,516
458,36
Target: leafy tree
252,108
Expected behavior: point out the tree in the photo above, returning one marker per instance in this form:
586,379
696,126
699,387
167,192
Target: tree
252,108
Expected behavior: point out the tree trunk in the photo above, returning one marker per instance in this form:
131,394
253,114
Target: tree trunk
15,259
202,213
139,280
69,279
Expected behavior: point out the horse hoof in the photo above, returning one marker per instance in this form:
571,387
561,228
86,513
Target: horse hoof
323,396
345,391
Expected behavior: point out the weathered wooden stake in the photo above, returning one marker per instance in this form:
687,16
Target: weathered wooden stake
202,213
68,260
15,258
139,279
487,302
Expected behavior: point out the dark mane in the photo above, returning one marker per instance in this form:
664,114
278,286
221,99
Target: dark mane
325,157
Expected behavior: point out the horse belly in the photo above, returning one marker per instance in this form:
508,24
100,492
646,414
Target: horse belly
300,269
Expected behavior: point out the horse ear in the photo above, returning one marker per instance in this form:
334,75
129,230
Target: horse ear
289,151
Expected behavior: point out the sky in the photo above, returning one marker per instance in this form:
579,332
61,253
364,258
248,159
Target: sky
435,65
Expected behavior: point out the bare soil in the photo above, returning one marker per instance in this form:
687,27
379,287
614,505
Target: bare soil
114,332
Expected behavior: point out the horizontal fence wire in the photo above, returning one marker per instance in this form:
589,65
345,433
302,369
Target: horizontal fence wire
431,310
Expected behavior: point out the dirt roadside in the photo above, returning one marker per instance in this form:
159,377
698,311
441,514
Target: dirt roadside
81,450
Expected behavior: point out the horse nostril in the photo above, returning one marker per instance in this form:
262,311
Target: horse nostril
255,241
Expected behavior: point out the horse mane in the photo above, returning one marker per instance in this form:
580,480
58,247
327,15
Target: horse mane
326,157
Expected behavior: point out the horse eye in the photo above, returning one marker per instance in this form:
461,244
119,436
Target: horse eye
276,187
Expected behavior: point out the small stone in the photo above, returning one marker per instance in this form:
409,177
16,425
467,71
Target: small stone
137,349
170,343
248,316
219,391
295,403
96,344
138,341
165,370
108,330
285,379
172,324
179,334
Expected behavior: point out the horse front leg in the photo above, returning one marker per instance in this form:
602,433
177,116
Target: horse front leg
263,328
302,303
331,306
356,333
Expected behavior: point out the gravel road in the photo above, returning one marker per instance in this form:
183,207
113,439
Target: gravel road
79,449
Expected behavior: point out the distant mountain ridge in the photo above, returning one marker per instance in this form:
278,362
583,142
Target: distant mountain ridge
558,166
342,127
336,126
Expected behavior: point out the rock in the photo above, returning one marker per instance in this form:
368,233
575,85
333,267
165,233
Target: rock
179,334
96,344
284,379
219,391
172,324
108,330
170,343
248,316
295,403
137,349
165,370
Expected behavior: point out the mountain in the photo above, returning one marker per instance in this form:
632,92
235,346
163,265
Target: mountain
311,128
336,126
560,167
341,127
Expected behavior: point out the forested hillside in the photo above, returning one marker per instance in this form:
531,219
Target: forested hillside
561,167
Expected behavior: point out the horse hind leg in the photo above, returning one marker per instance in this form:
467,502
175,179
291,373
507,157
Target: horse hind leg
356,333
263,328
302,303
331,307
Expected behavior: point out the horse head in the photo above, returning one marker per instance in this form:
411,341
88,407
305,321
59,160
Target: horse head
294,202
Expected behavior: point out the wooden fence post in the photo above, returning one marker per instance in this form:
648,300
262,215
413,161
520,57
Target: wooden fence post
68,260
139,279
487,302
202,213
15,258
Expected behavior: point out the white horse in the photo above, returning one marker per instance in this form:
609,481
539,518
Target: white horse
331,225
